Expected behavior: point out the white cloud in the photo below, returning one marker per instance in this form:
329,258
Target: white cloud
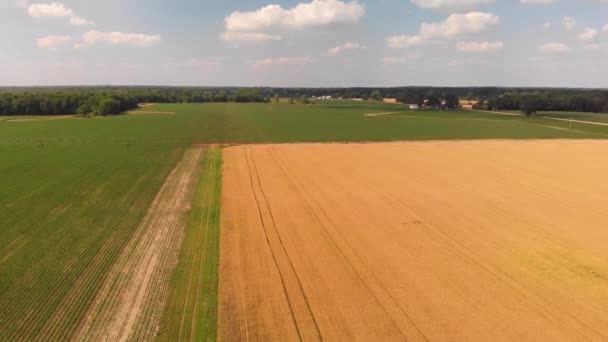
546,26
605,28
313,14
537,2
588,34
281,61
344,47
118,38
554,48
53,42
568,23
21,3
249,36
56,10
80,21
52,10
457,24
403,41
479,46
454,25
450,4
272,18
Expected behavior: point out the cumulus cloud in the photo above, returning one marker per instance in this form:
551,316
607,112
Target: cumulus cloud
454,25
118,38
537,2
554,48
80,21
53,42
479,46
250,36
52,10
273,18
57,10
344,47
588,34
450,4
281,61
568,23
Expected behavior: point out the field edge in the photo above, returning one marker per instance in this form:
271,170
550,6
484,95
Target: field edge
192,307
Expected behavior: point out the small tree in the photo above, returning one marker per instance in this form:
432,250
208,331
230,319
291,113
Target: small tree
376,95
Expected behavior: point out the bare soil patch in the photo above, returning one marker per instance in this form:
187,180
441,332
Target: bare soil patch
36,118
381,114
131,300
444,241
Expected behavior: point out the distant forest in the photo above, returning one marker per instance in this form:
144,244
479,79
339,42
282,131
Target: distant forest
113,100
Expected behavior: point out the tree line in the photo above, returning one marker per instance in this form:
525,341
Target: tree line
94,101
532,102
113,100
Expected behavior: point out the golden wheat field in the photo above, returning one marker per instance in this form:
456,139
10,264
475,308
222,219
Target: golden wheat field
442,241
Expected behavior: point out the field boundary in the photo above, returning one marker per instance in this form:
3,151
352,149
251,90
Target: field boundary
192,309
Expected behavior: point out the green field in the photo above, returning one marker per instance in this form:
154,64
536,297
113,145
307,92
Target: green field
72,191
191,313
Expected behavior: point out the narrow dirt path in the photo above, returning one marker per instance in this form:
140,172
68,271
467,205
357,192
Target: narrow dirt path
381,114
130,302
547,117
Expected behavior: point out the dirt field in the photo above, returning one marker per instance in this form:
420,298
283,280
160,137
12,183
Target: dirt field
439,241
131,301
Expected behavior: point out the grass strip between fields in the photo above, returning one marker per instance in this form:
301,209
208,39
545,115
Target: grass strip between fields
191,313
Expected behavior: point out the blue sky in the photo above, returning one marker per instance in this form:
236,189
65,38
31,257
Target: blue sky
305,43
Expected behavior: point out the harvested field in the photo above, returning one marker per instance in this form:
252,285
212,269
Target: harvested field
132,298
445,241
